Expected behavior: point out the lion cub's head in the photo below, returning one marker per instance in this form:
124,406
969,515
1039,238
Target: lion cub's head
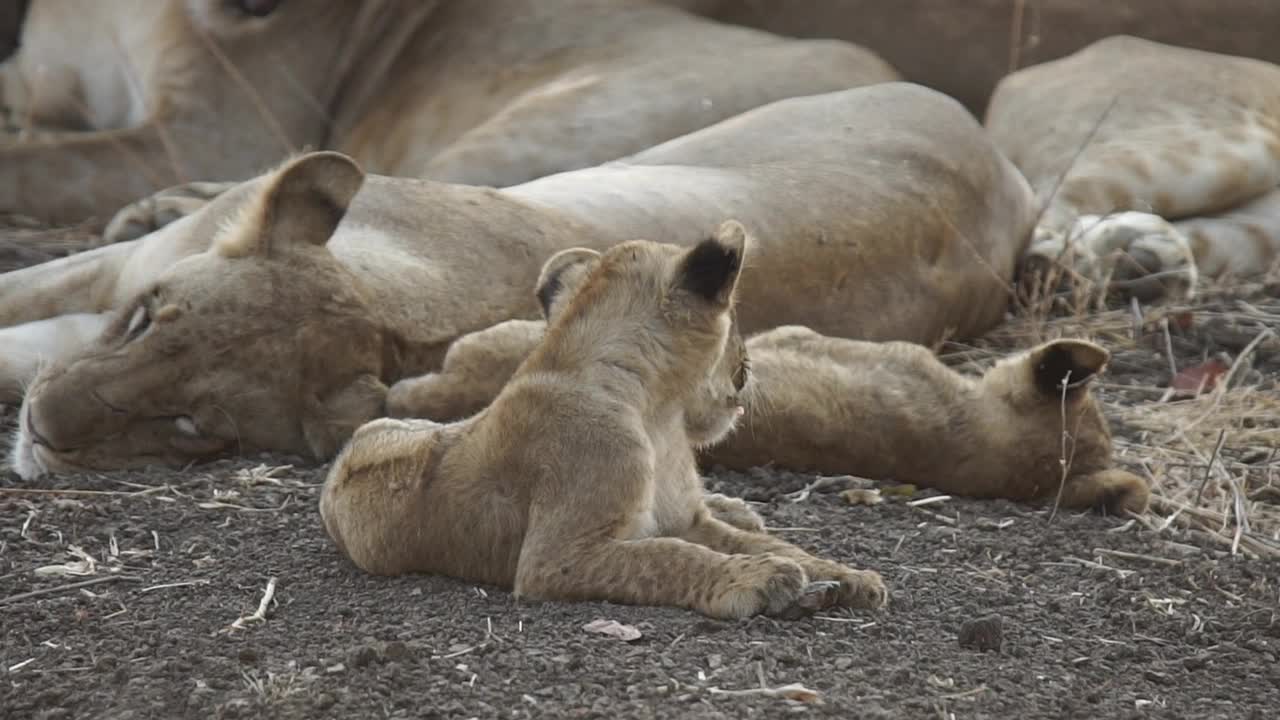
1045,415
677,304
261,342
1040,389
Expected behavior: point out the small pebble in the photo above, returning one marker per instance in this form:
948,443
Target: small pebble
395,651
363,656
983,634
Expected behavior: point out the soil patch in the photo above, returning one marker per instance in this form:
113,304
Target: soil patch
1096,621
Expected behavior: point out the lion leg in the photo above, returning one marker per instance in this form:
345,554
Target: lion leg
72,177
85,282
1138,253
28,346
1115,491
155,211
1243,241
430,395
92,281
858,588
1107,218
475,369
734,511
663,571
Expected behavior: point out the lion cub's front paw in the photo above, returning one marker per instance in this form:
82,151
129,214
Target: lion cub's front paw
863,590
758,584
859,589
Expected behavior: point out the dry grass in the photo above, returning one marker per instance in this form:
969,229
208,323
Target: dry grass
25,242
1211,456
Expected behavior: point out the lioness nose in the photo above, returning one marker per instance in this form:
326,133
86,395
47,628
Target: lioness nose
60,417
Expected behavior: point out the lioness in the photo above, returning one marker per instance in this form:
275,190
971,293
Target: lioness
275,317
886,411
120,99
972,44
1154,164
578,482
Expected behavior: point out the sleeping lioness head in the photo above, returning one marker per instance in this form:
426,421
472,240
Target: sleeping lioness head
263,342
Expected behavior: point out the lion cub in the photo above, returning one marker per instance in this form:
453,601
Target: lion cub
887,411
579,481
894,411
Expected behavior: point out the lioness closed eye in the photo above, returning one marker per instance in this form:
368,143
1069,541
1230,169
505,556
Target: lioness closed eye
579,482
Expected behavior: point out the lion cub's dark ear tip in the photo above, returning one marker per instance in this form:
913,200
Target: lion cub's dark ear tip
1076,362
547,291
709,267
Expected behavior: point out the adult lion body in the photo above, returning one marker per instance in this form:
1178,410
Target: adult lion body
1149,160
881,212
972,45
124,98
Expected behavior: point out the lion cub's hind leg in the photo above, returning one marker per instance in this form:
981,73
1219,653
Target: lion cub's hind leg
371,503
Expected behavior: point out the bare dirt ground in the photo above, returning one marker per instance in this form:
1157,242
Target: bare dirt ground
141,594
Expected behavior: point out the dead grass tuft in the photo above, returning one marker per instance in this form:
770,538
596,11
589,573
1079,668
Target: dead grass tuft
25,242
1211,451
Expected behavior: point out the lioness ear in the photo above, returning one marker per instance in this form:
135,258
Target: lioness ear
710,269
1074,362
302,204
556,272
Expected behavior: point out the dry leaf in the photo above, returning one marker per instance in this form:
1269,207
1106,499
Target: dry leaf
626,633
1184,320
86,565
1199,379
798,692
72,568
862,497
794,691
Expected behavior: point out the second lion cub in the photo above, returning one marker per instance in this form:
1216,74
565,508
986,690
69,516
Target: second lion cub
579,482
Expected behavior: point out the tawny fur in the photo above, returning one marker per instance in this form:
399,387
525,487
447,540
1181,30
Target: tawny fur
966,53
325,285
1155,164
120,99
887,411
579,482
